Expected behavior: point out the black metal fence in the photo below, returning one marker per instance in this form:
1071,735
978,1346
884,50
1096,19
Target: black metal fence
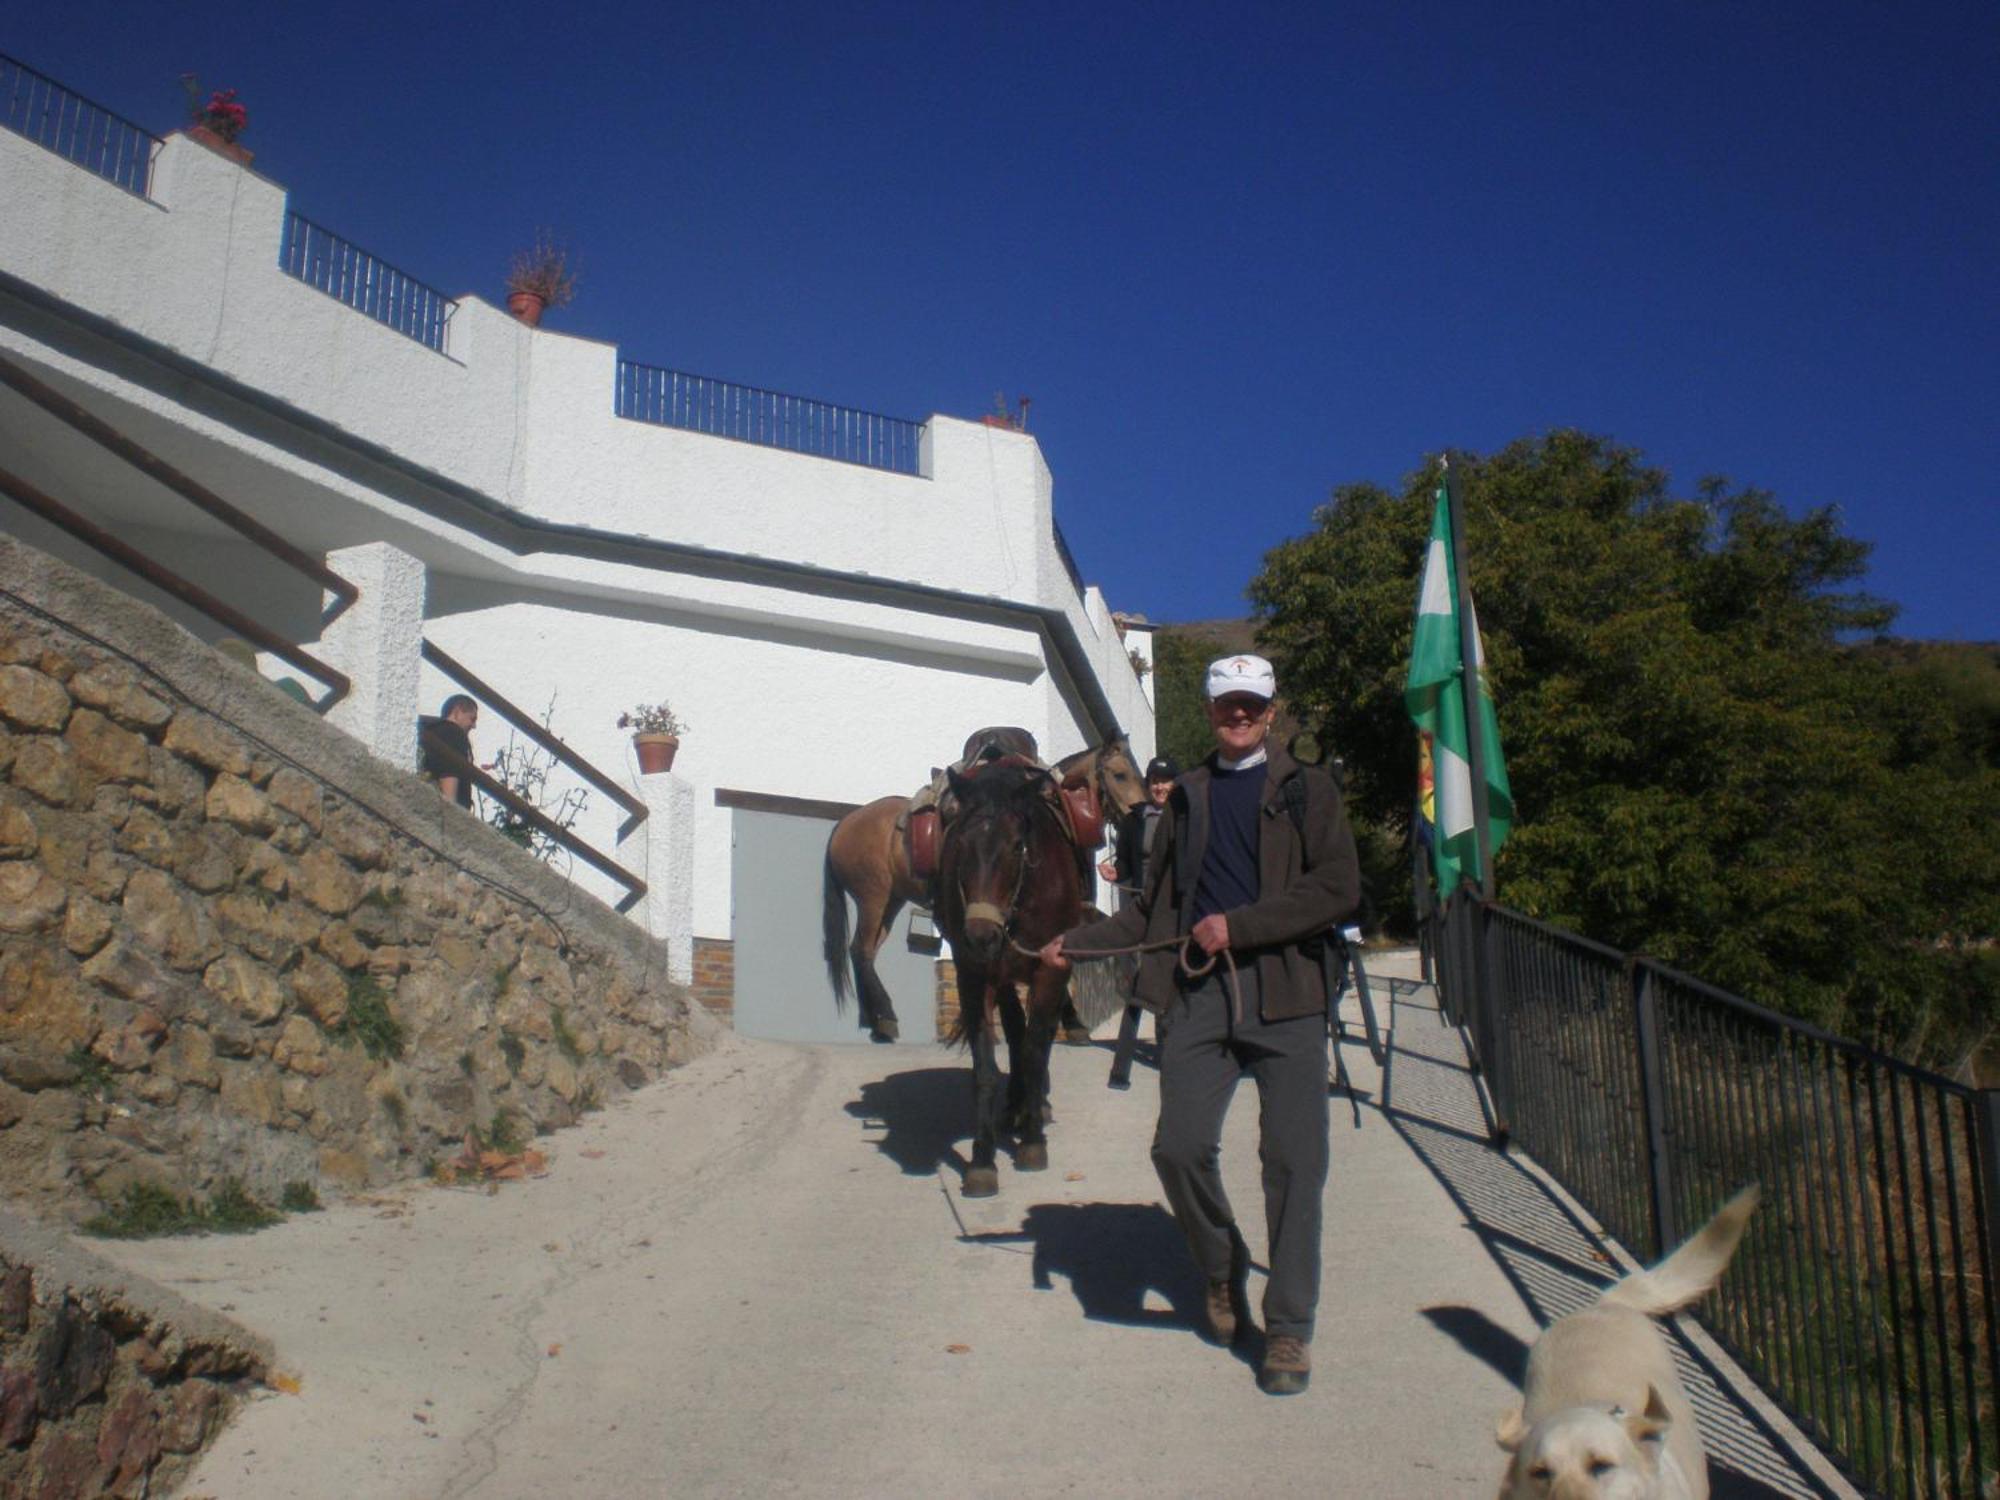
1863,1297
798,424
36,106
323,260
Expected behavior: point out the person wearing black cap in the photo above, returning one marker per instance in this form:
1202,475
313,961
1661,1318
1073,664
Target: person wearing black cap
1251,864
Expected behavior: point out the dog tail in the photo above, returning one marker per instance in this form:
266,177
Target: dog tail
1691,1271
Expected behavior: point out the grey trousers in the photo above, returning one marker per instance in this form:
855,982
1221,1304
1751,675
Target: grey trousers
1205,1051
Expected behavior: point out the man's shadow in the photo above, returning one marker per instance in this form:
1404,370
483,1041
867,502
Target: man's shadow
923,1113
1113,1255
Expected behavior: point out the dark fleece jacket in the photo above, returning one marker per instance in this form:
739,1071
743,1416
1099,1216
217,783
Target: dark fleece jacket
1307,884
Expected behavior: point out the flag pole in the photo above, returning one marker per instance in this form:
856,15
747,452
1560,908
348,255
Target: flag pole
1468,657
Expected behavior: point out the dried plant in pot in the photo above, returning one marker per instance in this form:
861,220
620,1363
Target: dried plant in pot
656,736
540,278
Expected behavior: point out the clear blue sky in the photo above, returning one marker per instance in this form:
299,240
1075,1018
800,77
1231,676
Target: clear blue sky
1236,255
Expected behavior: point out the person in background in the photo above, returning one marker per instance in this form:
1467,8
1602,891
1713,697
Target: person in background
1235,875
451,731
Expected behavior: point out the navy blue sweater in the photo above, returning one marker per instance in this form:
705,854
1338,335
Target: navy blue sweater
1229,867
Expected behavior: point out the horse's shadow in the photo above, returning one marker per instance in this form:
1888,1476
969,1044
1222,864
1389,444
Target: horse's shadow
923,1112
1112,1255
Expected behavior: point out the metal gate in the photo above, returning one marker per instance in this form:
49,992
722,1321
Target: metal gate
782,991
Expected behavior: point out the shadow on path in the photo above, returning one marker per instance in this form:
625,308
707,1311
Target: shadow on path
1554,1262
923,1113
1112,1255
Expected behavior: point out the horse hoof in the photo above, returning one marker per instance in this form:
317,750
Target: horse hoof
1032,1157
884,1031
1076,1039
981,1182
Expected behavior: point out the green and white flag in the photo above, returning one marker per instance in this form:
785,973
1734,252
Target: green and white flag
1437,703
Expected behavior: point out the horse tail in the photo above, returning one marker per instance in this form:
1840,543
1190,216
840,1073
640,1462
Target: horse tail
833,931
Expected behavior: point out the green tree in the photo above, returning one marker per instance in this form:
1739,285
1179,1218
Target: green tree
1180,657
1701,770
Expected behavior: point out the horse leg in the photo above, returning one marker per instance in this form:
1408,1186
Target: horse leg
1031,1064
1015,1028
878,1013
982,1177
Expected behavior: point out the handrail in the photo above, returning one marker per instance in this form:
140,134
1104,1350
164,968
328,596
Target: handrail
772,419
459,673
534,817
147,463
79,130
93,535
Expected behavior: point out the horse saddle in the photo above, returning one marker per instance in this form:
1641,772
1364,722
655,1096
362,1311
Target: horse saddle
1085,811
924,835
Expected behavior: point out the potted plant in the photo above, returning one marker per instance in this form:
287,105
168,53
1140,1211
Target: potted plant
656,735
539,279
217,120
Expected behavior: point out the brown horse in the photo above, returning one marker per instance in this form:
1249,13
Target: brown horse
866,858
1008,881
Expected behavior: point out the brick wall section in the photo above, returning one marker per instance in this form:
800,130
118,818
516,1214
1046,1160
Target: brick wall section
715,975
106,1387
207,895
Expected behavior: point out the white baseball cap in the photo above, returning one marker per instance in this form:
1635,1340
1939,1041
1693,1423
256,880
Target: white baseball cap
1240,674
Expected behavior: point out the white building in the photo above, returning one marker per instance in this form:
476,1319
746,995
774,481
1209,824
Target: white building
829,629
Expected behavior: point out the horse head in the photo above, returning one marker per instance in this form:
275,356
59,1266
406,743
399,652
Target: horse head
995,849
1119,779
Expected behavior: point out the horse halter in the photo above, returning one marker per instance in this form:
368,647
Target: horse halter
986,911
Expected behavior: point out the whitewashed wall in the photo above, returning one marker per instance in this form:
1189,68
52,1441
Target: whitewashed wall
790,688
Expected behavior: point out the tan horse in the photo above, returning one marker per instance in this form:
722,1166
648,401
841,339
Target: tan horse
866,858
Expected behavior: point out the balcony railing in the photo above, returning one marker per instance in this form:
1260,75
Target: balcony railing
36,106
798,424
323,260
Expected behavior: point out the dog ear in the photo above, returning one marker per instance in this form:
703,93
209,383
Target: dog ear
1653,1424
1510,1430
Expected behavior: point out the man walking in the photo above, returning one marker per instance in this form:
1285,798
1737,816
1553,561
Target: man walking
446,741
1249,871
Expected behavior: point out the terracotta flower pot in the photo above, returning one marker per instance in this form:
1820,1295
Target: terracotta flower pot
239,154
655,752
528,307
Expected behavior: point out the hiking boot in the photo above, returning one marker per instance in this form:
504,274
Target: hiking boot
1287,1365
1220,1310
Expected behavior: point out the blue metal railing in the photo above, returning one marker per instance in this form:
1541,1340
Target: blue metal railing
326,262
798,424
36,106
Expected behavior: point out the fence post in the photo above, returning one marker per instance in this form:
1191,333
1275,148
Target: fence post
377,641
1987,1113
1653,1107
1493,1025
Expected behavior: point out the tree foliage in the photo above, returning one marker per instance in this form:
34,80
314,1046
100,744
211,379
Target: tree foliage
1702,771
1180,658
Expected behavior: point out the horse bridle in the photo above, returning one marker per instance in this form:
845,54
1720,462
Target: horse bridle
986,911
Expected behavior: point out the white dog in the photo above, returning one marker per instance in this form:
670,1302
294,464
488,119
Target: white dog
1603,1415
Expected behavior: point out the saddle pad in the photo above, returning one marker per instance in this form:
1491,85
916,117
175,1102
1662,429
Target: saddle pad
923,836
1086,815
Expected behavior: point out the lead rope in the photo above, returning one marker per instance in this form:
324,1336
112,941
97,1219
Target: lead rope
1188,966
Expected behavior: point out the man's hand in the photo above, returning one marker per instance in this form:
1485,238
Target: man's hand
1052,954
1108,869
1211,933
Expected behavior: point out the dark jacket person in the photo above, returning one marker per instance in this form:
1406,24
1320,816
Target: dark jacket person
1234,876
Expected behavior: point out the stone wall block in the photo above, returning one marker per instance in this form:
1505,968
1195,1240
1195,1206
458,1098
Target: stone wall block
128,1443
86,924
265,868
321,988
189,1057
72,1360
251,924
19,1410
9,746
133,973
339,943
301,1047
190,1414
31,900
131,1046
46,766
105,873
206,741
17,1294
358,837
233,800
32,700
169,922
144,836
113,689
328,882
247,987
18,835
106,751
172,784
299,795
250,1093
204,857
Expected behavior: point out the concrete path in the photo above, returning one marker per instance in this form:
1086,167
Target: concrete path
758,1278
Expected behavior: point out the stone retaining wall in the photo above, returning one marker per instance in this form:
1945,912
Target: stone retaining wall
232,944
107,1386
